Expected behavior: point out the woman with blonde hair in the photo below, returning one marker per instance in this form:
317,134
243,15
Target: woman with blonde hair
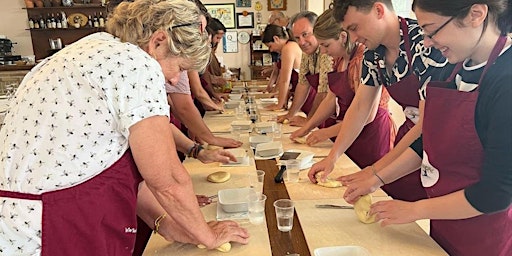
377,136
88,124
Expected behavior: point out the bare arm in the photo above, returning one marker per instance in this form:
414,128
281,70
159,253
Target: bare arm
199,92
299,97
273,77
355,119
185,110
327,107
154,152
290,59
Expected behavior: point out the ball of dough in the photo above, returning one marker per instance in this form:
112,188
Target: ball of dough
213,147
301,140
226,247
219,177
286,121
362,209
329,183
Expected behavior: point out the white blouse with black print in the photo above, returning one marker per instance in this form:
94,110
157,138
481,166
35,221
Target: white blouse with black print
68,122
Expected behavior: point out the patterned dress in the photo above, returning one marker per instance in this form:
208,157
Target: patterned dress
68,122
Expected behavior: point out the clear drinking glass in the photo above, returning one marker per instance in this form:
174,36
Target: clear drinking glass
284,214
256,206
292,170
256,180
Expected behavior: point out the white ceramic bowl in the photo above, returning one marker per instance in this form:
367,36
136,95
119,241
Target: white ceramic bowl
264,127
257,139
305,157
232,104
243,124
239,153
269,148
349,250
235,96
234,200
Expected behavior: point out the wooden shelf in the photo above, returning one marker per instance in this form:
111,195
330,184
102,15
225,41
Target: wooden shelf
41,36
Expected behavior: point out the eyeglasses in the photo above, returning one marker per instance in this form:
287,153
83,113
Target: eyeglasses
431,35
185,25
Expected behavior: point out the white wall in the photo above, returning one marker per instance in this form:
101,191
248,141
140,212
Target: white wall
14,25
242,58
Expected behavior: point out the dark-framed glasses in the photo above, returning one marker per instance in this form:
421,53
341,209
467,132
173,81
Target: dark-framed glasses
186,24
431,35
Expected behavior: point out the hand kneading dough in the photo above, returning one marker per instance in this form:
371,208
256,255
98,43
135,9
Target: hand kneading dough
213,147
362,208
329,183
301,140
219,177
226,247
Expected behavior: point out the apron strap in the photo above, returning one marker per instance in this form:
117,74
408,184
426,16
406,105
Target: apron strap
405,29
18,195
502,40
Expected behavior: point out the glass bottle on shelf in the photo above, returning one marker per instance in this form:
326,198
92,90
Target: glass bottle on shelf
53,21
95,21
48,21
89,22
64,20
31,23
58,21
42,23
101,21
36,24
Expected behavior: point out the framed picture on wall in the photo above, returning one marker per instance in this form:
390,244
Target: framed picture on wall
224,12
276,5
243,3
245,19
230,42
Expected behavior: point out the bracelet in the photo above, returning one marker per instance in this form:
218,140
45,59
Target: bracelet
376,175
194,150
157,222
198,149
189,151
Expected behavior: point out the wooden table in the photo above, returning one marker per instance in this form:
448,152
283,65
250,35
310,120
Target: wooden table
312,228
282,243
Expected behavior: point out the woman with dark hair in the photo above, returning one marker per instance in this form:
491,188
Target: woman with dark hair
467,140
278,40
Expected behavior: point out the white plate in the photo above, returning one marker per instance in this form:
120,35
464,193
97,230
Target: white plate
4,107
258,157
352,250
245,162
222,215
305,156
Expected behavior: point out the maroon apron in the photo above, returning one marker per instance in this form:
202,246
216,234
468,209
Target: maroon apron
294,78
449,167
405,93
314,81
373,141
96,217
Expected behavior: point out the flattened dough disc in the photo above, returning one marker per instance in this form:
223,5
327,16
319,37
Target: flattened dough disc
219,177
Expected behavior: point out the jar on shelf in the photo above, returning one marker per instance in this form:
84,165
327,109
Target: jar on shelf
29,3
67,2
39,3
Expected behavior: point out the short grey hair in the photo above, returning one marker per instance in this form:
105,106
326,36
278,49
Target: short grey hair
311,16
